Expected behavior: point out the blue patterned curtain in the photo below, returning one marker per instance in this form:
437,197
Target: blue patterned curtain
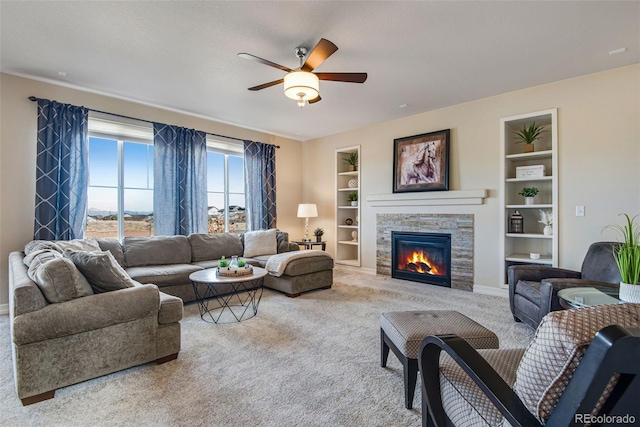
180,180
62,171
260,176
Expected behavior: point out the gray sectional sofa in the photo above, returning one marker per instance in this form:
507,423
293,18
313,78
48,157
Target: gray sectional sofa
69,329
167,261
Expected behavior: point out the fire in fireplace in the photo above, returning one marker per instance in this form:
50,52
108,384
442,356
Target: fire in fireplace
421,257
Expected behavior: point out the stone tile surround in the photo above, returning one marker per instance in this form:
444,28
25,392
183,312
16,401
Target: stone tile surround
460,226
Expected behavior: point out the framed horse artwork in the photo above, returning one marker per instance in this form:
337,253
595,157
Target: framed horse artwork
421,162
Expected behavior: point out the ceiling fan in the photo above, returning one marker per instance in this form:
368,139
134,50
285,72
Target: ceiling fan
301,83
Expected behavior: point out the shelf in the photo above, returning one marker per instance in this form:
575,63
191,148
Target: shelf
541,178
546,154
544,259
349,189
529,235
350,173
348,242
347,207
536,206
354,227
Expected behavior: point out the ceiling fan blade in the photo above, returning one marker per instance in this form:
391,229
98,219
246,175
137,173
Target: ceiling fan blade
266,85
314,100
317,56
343,77
264,61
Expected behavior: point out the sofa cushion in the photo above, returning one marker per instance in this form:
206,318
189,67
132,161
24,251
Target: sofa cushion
560,342
57,277
261,242
157,250
113,246
101,270
205,247
162,275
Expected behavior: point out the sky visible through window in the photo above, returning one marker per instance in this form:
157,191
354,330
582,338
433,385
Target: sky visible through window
138,178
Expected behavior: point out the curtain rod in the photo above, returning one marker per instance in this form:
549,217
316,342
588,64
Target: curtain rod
34,99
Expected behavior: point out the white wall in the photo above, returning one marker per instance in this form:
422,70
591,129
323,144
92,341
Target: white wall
18,156
599,161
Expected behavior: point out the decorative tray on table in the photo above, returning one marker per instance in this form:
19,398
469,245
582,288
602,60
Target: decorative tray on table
238,271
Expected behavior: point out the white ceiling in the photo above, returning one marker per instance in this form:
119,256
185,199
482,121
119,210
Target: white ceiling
183,55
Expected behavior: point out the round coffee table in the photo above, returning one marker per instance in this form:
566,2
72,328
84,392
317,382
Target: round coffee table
233,294
587,297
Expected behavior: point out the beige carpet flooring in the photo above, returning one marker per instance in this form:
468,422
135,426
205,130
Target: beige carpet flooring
307,361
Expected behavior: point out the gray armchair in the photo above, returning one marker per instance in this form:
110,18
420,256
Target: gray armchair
533,289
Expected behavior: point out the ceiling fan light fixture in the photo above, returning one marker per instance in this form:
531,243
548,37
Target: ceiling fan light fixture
301,86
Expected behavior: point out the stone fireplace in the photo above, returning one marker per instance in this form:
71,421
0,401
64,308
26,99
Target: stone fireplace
457,227
421,257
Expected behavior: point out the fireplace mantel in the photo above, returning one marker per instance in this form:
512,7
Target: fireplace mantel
429,198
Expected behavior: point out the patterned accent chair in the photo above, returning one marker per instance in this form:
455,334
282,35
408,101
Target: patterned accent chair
581,362
533,289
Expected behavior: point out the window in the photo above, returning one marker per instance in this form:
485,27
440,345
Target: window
225,187
120,193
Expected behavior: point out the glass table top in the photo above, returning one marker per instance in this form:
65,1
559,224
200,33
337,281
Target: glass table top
587,297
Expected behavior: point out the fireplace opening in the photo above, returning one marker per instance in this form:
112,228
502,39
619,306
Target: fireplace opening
421,257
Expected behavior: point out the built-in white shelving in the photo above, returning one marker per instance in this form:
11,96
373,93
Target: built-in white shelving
347,249
517,247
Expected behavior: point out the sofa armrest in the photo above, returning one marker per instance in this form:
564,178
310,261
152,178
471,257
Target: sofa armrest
171,309
549,289
293,247
86,314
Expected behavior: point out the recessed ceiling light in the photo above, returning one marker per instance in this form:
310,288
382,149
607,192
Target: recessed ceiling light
403,105
62,73
617,51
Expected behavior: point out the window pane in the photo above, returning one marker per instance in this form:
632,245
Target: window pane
215,172
102,218
138,213
236,175
237,214
137,164
215,201
103,162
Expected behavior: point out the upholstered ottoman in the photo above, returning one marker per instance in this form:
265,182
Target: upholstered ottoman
402,331
299,271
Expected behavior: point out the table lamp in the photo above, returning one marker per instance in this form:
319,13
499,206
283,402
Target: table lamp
306,211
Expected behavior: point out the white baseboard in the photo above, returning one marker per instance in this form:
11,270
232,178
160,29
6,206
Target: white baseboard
490,290
4,309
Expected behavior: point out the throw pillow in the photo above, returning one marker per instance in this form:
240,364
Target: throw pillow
101,270
261,242
57,277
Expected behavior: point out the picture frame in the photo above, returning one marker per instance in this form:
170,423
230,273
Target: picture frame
421,162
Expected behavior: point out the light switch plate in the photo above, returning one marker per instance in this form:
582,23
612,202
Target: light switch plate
579,210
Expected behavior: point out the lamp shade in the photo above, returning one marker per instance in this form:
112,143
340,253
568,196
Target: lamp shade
301,85
307,210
